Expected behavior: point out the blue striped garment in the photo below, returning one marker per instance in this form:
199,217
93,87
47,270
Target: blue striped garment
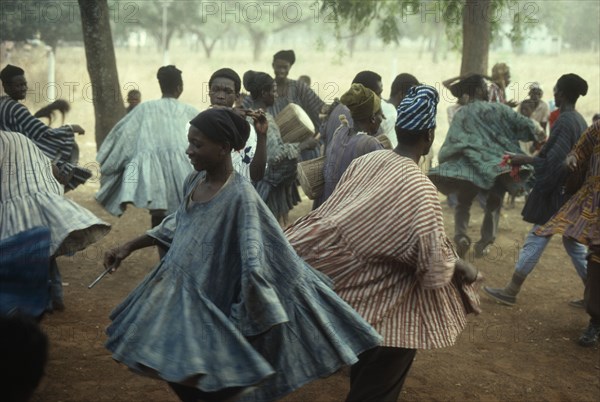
232,305
56,143
24,267
143,160
30,196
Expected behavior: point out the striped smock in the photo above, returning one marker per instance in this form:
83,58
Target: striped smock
30,197
143,160
56,143
380,237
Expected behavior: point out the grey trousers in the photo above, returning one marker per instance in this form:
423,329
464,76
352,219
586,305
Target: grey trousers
466,193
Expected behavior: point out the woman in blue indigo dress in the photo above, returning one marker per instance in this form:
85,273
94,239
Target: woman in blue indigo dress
231,311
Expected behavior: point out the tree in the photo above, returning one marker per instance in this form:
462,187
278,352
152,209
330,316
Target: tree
47,20
478,19
181,14
259,20
102,66
476,33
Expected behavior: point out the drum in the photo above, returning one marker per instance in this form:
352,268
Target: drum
310,175
294,124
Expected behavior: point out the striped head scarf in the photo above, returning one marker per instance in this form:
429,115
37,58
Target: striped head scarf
417,110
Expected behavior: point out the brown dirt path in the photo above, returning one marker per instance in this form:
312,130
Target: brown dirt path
522,353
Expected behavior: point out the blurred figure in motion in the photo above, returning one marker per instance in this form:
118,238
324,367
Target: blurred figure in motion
549,192
57,143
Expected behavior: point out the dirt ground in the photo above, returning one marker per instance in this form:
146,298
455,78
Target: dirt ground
522,353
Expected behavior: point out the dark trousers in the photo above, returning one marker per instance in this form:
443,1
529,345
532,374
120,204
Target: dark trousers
56,287
466,193
191,394
379,374
591,295
155,220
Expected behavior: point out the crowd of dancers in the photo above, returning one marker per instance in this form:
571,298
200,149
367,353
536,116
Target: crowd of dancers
245,305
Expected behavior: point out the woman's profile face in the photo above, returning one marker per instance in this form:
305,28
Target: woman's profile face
270,95
557,96
203,152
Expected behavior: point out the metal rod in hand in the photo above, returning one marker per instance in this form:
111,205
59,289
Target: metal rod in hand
102,275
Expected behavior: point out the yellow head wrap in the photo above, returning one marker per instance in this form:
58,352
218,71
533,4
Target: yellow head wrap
362,102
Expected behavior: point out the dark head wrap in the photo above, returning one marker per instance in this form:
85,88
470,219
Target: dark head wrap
572,86
368,79
9,72
418,108
467,86
287,55
362,102
223,125
229,74
256,81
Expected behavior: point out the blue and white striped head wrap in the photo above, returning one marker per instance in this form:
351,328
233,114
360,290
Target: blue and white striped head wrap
418,108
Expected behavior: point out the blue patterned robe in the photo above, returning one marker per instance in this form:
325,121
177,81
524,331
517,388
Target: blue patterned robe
143,158
232,304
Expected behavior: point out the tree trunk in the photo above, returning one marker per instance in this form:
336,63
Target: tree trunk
476,36
102,66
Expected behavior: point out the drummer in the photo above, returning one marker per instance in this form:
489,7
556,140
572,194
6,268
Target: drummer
278,187
292,91
351,141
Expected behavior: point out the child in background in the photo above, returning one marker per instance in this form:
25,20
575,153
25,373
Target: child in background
305,79
134,97
526,108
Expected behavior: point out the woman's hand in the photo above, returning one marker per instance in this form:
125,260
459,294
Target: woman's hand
261,125
571,162
467,272
114,257
61,177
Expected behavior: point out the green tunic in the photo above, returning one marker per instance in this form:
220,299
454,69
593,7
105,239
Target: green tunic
480,134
